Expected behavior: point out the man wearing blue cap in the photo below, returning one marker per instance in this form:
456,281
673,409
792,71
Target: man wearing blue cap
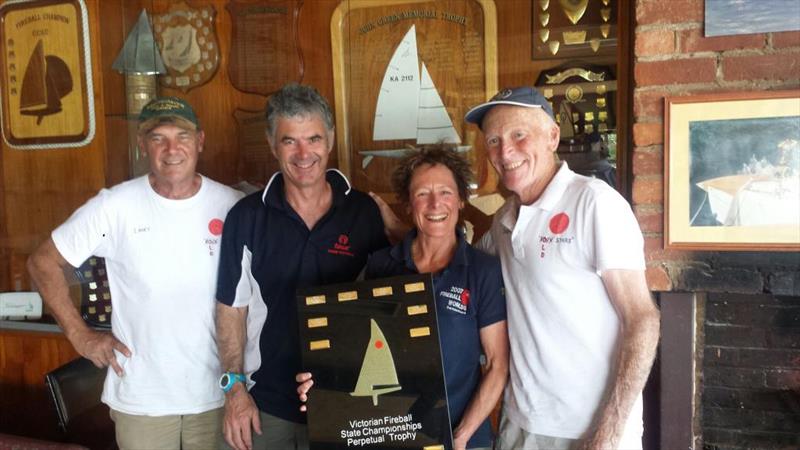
160,235
582,326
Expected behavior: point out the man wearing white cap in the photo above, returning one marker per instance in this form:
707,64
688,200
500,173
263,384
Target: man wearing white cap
582,325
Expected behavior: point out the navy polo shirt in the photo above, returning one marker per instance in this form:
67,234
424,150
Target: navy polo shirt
469,296
267,252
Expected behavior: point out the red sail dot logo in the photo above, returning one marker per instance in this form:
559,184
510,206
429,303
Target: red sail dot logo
378,344
465,297
559,223
215,227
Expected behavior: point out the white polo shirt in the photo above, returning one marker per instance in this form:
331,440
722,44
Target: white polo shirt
563,328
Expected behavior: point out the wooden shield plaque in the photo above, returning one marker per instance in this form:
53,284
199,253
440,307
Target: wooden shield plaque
265,52
188,45
373,349
47,97
405,73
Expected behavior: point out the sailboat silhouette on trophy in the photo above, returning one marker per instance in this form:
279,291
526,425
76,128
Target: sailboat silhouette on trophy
47,80
409,106
378,375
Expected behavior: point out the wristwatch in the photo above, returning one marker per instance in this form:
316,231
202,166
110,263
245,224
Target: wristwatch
229,379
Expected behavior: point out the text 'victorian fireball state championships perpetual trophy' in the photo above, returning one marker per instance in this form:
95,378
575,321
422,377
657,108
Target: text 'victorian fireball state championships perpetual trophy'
373,349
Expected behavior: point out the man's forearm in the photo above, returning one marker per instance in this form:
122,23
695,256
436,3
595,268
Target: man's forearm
635,359
231,336
639,333
46,267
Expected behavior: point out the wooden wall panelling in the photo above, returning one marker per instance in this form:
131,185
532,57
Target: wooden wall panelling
42,187
216,100
25,357
119,17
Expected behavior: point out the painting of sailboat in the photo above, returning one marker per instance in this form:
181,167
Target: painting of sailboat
47,80
378,375
409,105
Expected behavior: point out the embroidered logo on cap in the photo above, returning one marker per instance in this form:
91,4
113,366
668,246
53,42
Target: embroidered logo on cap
505,93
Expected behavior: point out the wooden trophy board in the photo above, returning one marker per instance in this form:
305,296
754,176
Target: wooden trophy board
265,51
395,61
188,45
95,292
373,350
573,28
44,59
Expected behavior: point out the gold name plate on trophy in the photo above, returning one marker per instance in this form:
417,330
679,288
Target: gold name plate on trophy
373,349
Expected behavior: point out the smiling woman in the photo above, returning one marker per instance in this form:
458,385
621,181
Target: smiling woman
433,182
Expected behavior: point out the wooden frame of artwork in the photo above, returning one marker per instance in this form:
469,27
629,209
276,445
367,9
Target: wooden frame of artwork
732,164
457,46
47,97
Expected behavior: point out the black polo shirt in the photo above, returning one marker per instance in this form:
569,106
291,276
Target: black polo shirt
268,252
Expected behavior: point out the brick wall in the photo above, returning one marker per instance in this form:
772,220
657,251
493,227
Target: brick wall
671,57
751,361
751,372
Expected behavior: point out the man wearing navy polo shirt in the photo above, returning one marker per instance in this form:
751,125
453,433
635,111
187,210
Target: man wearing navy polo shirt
308,227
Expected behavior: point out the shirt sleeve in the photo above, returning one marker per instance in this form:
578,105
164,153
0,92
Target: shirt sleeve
618,240
234,280
486,243
492,301
87,232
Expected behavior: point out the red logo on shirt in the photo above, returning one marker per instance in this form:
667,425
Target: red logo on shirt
341,247
559,223
465,297
215,227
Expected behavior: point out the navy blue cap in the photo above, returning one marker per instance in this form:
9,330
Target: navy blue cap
524,96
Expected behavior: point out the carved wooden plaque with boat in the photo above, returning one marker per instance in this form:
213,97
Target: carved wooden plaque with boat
44,86
405,73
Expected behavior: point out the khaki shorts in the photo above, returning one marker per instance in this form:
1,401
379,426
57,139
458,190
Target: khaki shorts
277,434
189,431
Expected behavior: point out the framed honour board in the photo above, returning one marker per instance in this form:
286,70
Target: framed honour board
405,73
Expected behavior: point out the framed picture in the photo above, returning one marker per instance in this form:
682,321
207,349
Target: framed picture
730,17
732,166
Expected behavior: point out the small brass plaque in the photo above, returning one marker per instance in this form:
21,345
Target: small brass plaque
319,345
419,332
413,310
318,322
315,300
347,296
382,291
414,287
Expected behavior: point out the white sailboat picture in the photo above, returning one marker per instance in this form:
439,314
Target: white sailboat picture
409,106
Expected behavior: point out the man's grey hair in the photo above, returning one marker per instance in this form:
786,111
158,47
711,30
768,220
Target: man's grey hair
294,100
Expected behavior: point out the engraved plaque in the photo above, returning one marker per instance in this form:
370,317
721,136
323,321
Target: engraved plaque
378,379
44,86
188,45
405,73
265,52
